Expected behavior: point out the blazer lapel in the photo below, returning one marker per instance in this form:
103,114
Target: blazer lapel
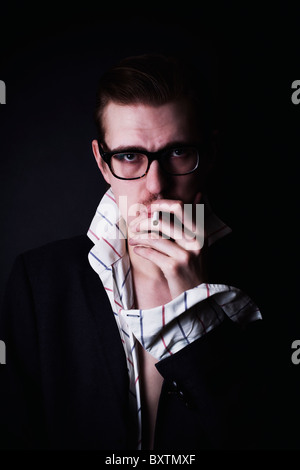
110,345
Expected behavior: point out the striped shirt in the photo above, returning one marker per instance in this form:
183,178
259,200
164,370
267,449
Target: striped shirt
166,329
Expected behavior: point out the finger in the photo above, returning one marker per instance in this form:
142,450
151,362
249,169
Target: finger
177,272
171,247
162,206
173,214
162,260
188,216
135,223
168,229
167,257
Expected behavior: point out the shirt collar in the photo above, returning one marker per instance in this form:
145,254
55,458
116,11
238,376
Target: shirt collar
108,232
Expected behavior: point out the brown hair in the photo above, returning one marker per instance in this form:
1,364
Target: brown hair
154,79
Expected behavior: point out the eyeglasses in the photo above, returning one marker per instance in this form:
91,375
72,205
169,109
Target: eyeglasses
134,164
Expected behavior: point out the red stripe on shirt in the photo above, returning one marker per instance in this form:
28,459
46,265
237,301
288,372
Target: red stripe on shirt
111,247
110,197
207,290
94,234
119,304
203,326
166,347
130,362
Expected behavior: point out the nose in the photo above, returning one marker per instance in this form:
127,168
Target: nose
156,180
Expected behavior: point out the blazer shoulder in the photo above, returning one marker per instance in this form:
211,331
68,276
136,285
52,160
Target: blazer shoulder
69,248
58,260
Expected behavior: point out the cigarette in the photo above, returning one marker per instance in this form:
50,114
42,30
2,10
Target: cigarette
155,218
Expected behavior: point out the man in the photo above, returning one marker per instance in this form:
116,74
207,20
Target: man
135,341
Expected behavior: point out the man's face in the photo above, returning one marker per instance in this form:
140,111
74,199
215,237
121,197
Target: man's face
150,128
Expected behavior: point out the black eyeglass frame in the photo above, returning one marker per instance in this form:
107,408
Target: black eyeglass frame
159,155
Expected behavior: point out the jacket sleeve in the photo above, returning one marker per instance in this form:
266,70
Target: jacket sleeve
21,407
218,392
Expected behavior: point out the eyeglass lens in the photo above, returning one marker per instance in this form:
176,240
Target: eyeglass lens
134,165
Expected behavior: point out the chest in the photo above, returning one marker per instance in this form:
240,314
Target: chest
150,385
149,295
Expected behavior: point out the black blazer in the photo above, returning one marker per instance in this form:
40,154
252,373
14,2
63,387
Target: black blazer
65,384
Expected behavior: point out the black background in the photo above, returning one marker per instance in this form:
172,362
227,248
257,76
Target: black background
51,58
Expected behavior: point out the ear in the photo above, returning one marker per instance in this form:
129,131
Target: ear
100,162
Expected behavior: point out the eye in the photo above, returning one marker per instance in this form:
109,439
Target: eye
178,152
126,157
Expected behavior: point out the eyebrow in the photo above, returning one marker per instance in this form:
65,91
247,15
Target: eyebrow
133,148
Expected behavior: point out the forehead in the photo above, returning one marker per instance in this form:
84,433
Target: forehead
149,126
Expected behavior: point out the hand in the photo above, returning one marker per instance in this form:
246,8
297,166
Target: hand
174,245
